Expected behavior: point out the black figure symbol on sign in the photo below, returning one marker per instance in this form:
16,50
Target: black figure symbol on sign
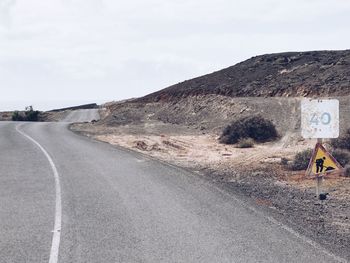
320,165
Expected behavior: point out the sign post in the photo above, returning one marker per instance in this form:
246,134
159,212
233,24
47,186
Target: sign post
319,178
320,120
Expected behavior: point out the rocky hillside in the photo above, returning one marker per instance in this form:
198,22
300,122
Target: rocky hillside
268,85
317,73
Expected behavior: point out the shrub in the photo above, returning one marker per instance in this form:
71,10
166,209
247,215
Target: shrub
342,142
342,156
301,160
347,171
245,143
284,161
28,115
32,115
17,116
254,127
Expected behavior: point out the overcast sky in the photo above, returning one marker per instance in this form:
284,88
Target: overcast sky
58,52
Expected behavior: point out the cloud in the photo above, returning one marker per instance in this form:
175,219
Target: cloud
119,49
5,11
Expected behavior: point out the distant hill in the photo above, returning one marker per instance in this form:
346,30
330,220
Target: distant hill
79,107
322,73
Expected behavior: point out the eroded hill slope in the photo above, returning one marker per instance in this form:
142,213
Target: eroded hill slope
284,74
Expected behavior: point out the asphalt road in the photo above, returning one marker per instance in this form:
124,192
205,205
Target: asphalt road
82,116
119,206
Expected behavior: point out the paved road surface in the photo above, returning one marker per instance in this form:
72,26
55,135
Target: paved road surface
82,116
121,207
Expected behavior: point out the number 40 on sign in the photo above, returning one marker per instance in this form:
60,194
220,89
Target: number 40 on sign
320,118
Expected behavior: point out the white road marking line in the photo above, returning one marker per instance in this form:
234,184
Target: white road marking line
56,238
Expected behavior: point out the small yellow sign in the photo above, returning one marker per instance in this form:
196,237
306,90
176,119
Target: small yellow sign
322,162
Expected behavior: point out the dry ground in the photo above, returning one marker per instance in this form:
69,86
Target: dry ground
203,150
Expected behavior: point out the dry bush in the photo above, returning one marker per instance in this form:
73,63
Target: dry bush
255,127
284,161
347,171
342,156
342,142
28,115
301,160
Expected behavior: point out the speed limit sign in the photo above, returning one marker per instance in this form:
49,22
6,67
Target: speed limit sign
320,118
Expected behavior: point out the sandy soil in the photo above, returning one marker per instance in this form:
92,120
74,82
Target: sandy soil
198,151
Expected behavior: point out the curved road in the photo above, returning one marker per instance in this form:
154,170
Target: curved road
118,206
82,116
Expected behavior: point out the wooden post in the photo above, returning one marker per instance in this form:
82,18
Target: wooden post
319,178
318,185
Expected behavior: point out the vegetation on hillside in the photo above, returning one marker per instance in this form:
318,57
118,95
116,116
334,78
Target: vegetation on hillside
342,156
342,142
28,115
301,160
341,151
256,128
